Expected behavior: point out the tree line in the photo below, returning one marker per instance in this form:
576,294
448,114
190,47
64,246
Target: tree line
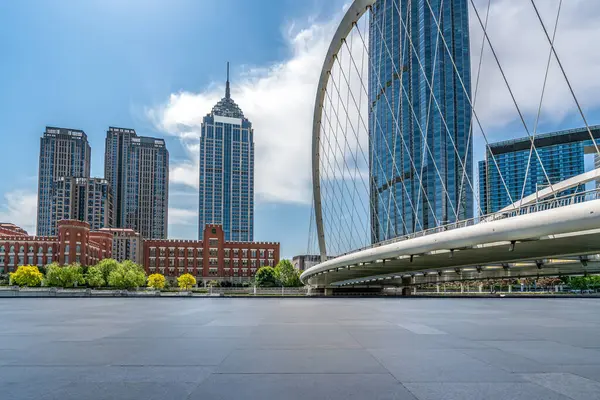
129,275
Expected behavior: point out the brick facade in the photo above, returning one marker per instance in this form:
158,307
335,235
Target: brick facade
208,259
74,243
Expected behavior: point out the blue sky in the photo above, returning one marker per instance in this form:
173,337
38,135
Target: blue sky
158,66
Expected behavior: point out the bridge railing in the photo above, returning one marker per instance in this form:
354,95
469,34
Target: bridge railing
557,202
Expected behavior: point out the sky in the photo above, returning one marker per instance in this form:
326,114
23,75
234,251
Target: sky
158,66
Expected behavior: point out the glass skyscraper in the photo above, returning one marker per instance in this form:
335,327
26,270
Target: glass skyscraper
417,101
138,169
63,153
227,171
561,153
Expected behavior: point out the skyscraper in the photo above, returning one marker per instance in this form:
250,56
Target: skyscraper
138,169
561,153
419,116
63,153
83,199
227,171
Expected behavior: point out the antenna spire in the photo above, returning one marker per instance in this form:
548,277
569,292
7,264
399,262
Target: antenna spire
227,90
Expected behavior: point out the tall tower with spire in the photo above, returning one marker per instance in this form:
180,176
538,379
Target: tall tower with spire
226,187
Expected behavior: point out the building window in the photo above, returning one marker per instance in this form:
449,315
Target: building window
262,253
253,253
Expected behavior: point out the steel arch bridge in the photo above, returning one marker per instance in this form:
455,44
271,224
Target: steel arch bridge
551,232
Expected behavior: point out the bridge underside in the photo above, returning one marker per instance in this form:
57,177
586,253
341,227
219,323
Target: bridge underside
560,254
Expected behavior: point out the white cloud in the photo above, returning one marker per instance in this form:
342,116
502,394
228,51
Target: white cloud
278,100
20,208
180,216
523,50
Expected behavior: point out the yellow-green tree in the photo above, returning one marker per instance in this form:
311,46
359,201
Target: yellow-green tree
156,281
26,275
186,281
94,277
127,275
66,276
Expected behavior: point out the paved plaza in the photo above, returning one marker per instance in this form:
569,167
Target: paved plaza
333,348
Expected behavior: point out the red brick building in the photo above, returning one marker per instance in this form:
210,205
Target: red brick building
74,243
210,259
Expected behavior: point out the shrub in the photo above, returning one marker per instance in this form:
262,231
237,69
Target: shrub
94,277
186,281
26,275
67,276
156,281
127,275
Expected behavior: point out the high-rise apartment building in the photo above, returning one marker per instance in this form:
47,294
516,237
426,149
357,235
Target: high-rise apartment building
83,199
138,169
419,115
227,171
63,153
561,153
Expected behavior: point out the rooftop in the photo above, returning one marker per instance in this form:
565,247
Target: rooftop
226,107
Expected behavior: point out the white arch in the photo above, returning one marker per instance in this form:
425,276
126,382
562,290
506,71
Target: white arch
354,13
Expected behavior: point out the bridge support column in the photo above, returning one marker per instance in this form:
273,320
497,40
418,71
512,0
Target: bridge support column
509,288
480,288
406,289
462,287
437,287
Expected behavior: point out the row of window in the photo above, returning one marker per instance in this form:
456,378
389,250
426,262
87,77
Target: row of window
181,252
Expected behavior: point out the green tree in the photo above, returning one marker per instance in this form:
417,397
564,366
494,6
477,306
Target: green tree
186,281
156,281
26,275
287,275
67,276
579,282
127,275
94,277
266,276
107,266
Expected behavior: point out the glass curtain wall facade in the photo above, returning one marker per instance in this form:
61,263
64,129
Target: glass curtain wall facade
419,116
226,195
138,169
63,153
561,153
